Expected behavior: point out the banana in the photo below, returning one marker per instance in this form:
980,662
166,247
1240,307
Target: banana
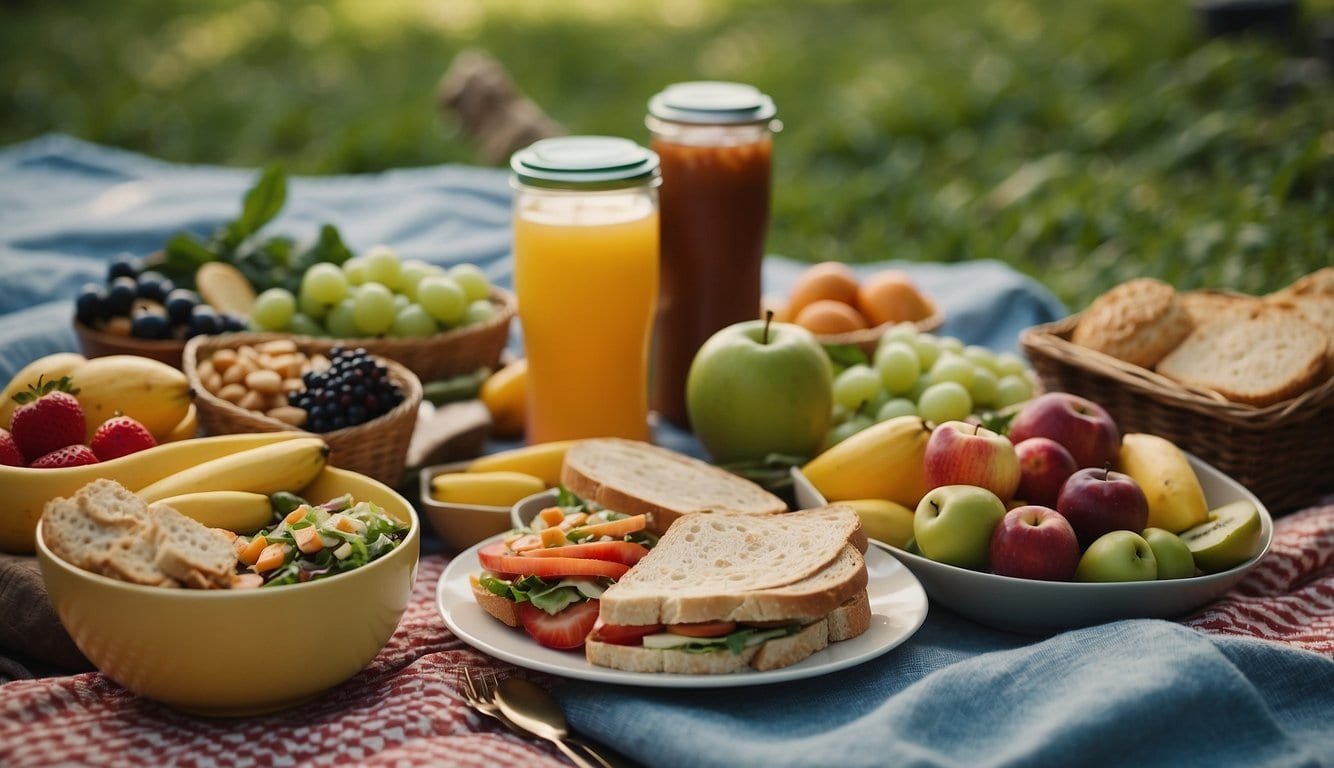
235,511
289,465
885,521
153,393
493,489
187,428
883,461
48,367
26,491
542,460
1176,500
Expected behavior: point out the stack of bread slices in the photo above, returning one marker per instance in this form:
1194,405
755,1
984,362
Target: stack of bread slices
1257,351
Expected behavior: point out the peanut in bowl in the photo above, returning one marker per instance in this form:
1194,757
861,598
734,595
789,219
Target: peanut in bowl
229,653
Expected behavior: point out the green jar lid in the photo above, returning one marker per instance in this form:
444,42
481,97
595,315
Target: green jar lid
584,162
710,102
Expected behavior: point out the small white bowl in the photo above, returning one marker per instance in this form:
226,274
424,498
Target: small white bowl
1042,607
523,512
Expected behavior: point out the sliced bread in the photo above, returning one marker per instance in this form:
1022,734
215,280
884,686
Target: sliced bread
773,654
505,610
1137,321
1268,355
742,568
190,552
102,528
634,477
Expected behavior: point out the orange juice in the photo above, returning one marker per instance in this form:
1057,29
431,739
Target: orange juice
586,277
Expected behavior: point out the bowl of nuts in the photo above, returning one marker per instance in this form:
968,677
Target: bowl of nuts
365,407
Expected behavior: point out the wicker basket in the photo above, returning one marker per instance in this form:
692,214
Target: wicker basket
451,353
378,448
95,343
1280,452
868,339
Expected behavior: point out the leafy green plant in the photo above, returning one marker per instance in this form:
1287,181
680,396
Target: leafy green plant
269,262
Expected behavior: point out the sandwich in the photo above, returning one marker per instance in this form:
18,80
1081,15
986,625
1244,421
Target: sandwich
725,592
617,497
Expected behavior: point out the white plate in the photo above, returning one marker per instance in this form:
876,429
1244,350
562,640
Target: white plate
1041,607
898,608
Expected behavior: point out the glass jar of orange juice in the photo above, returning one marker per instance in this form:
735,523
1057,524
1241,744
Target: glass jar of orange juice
715,141
586,279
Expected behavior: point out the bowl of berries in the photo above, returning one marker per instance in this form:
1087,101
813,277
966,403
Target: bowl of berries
138,310
364,406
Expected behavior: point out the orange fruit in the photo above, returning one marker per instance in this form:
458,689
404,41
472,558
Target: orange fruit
827,316
890,296
827,280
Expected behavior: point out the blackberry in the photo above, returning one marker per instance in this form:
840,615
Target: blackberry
353,390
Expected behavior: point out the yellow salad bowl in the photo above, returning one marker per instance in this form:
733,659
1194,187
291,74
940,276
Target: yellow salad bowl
228,653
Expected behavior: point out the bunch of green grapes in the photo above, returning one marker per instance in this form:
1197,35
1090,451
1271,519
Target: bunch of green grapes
935,377
377,295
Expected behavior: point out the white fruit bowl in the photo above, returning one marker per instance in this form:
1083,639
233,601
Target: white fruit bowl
1042,607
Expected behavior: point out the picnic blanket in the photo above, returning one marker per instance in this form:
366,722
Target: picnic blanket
1248,680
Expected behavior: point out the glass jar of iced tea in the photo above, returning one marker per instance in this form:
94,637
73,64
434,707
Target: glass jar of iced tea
586,279
714,140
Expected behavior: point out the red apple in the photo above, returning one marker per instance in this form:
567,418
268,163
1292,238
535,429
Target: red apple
1034,542
1098,501
1082,426
959,453
1044,466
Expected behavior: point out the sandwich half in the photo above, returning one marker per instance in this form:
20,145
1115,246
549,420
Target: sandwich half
732,592
635,477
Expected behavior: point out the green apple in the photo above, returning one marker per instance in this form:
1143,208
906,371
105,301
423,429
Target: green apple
953,524
1230,537
1117,556
756,388
1174,558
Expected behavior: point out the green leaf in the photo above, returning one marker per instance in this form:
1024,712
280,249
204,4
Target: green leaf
262,203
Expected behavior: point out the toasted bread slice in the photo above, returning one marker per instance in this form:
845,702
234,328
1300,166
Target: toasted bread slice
737,567
190,552
102,528
1269,355
504,609
634,477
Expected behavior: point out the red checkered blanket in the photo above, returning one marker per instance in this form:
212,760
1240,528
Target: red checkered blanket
404,708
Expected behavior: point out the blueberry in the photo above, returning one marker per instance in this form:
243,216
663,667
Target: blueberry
154,285
339,421
151,325
90,306
180,303
124,265
121,295
203,319
233,324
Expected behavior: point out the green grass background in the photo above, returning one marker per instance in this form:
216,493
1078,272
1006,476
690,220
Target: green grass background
1083,143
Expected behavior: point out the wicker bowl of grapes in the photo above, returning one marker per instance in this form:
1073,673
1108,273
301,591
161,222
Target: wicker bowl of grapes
363,405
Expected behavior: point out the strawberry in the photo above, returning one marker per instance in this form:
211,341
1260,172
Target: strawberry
10,455
70,456
48,417
119,436
565,630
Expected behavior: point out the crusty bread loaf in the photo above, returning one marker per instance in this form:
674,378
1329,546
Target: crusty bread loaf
504,609
190,552
726,566
1267,356
634,477
1138,321
106,529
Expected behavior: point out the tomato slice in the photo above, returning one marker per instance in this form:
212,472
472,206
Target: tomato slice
627,552
623,634
703,628
499,558
565,630
615,529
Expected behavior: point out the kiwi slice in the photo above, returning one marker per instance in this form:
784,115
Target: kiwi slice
1230,537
